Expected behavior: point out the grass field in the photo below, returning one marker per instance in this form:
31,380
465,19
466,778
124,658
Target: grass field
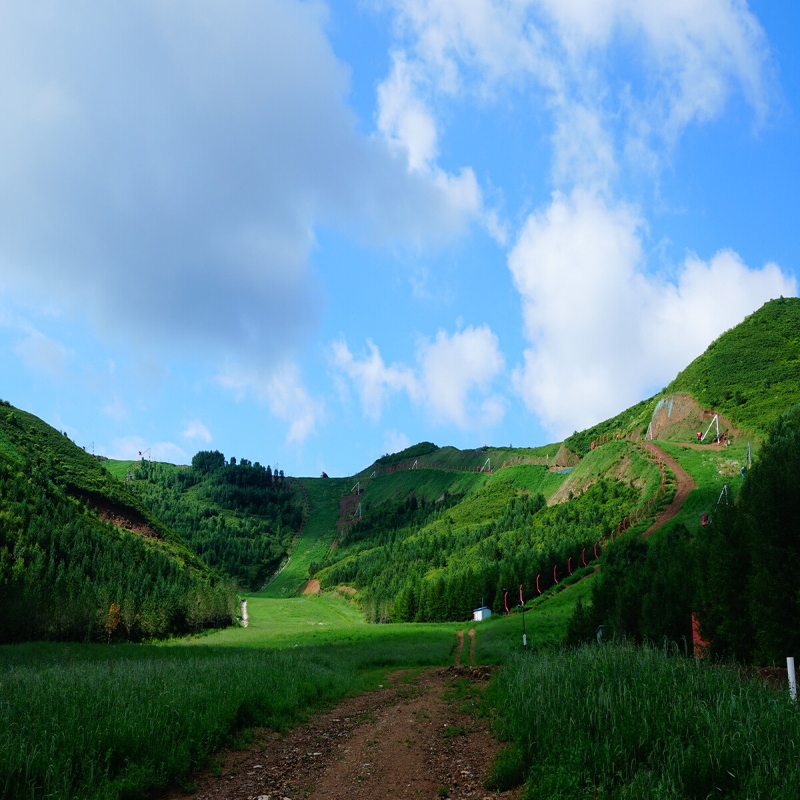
98,722
93,721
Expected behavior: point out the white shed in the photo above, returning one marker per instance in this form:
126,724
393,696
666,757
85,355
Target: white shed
481,613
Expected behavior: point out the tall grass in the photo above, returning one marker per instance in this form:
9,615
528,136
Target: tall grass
641,722
95,724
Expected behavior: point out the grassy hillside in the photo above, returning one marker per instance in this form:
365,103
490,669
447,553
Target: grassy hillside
319,533
432,544
24,438
751,373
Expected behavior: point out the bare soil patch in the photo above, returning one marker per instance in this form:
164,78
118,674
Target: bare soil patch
405,740
679,417
121,517
312,587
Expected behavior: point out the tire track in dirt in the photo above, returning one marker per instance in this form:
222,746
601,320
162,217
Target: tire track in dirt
459,648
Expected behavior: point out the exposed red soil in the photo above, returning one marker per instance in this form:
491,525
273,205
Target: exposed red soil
404,740
459,647
683,415
312,587
122,517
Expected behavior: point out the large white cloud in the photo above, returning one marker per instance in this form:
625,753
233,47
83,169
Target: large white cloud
373,379
453,368
602,330
620,81
453,377
165,166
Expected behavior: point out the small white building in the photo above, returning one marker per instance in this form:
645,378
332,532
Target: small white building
481,613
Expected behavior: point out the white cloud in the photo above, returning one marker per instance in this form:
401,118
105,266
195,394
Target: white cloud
42,354
403,118
373,380
709,298
195,430
620,77
284,392
174,198
289,400
453,367
602,331
451,371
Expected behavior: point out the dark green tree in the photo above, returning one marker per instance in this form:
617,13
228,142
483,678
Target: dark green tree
751,592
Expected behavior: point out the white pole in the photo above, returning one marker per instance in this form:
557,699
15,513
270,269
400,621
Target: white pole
792,678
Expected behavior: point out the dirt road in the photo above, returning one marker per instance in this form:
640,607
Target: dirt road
415,737
684,484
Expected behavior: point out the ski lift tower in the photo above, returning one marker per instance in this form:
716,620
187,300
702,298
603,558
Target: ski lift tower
714,421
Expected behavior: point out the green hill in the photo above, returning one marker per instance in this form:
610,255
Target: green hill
238,517
81,556
429,532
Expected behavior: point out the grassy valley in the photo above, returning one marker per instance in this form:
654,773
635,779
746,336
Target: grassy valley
633,525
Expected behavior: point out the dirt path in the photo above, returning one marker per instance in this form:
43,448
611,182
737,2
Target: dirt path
408,739
684,484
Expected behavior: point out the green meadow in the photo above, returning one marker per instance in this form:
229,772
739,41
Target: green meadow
100,723
94,721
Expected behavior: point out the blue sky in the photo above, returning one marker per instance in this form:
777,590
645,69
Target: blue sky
312,233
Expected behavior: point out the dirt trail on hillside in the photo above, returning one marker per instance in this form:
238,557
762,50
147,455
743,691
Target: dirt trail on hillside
684,484
404,740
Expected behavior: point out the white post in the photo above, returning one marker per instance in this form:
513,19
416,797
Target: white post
244,613
792,678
